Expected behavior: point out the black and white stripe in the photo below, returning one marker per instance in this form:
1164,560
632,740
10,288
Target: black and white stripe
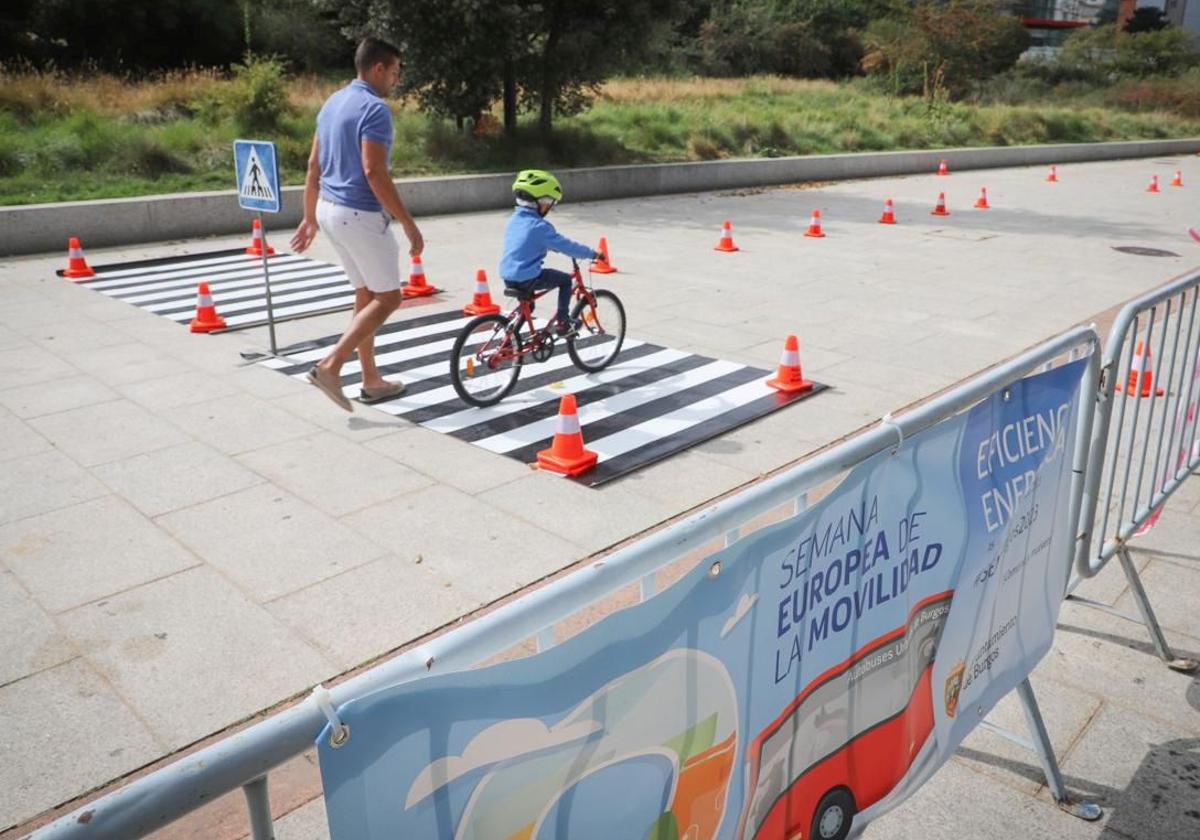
299,286
650,403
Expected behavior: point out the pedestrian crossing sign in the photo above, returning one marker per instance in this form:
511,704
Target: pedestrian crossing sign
257,175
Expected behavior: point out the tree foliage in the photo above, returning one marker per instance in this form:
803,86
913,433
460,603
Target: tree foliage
132,35
942,49
1104,53
461,56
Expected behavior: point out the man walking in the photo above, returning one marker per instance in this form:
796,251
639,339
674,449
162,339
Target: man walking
349,194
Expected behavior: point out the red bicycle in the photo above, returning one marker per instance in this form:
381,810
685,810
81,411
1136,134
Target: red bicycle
491,350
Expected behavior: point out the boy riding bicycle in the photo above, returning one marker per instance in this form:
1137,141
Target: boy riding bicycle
528,237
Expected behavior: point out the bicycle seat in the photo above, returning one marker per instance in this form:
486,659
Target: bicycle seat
519,293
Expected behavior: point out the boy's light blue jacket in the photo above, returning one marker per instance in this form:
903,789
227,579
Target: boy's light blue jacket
527,238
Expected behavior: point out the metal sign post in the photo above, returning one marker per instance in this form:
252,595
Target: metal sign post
267,285
258,189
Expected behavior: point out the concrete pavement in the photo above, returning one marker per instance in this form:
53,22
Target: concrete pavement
187,541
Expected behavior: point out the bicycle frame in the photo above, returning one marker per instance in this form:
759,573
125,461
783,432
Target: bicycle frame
522,313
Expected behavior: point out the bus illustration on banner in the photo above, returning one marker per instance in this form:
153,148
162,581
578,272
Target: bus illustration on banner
849,737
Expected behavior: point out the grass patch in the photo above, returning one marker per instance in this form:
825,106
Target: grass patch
68,138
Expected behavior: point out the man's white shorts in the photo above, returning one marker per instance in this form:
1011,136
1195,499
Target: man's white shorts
364,243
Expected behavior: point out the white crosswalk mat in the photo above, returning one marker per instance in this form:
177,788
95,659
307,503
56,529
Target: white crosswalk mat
649,404
167,286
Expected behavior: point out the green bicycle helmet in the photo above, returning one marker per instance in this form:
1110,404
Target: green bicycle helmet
535,184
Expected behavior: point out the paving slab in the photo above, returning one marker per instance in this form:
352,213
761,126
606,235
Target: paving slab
166,646
1145,774
357,615
66,731
123,364
19,438
485,551
268,541
104,432
332,473
35,484
95,549
29,640
470,469
239,423
26,401
176,477
176,389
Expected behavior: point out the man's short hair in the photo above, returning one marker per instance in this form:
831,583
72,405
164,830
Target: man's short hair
371,51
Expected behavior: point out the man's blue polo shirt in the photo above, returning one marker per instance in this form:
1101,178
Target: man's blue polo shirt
353,114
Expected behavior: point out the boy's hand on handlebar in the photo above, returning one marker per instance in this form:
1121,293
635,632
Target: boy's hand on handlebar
597,257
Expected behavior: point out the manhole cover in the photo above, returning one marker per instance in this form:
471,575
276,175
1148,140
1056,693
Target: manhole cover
1139,251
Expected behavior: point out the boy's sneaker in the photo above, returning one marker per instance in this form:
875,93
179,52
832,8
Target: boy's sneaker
566,328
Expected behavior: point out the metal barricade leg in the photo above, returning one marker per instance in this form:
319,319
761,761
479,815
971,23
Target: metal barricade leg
1089,811
258,806
1152,626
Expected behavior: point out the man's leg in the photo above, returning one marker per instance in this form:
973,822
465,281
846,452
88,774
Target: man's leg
362,329
366,351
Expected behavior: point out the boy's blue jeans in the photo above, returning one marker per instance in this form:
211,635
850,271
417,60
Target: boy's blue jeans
548,279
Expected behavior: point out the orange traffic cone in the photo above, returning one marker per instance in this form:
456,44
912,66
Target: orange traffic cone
1177,181
789,379
1141,367
417,285
943,169
889,215
1153,184
940,209
603,266
256,241
1052,177
566,455
206,319
726,243
981,203
77,267
814,226
482,303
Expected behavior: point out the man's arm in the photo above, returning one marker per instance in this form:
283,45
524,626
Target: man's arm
375,167
307,230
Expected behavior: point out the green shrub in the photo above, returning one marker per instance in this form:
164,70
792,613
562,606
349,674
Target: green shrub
255,99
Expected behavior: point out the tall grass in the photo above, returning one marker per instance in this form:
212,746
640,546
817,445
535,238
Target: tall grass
71,137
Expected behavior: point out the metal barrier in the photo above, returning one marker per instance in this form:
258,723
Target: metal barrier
245,758
1154,335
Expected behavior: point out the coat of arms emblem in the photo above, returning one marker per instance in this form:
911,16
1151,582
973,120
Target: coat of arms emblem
954,682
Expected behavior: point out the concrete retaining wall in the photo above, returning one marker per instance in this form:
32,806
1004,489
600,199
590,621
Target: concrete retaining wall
39,228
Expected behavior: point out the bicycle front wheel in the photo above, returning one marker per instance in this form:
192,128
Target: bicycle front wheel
485,361
601,333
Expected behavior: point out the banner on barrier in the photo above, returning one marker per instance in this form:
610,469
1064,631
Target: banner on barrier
816,672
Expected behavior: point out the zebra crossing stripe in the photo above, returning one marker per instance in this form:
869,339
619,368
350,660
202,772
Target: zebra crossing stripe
167,286
242,278
650,403
187,277
542,429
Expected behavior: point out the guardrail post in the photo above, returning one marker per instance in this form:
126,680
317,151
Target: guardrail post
1089,811
1164,651
258,806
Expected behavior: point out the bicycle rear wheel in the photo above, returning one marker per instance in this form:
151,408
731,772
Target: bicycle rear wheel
601,334
485,361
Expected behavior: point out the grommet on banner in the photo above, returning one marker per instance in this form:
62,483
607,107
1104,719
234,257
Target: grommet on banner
341,732
887,420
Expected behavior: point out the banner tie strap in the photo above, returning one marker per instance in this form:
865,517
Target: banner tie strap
341,731
890,422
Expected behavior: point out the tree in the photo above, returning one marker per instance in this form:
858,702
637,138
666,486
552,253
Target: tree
1146,19
1102,53
545,55
944,47
136,35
